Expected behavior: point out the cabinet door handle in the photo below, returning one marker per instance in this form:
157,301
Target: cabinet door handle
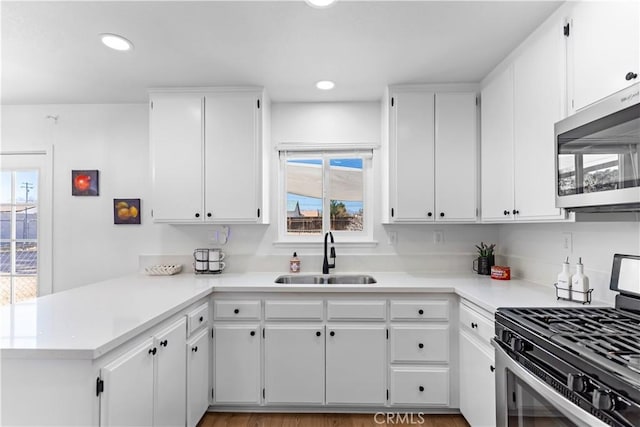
421,388
208,214
429,214
318,333
420,345
474,325
492,368
201,318
332,333
421,312
164,343
252,333
153,351
197,215
236,311
630,75
516,212
194,349
441,214
506,212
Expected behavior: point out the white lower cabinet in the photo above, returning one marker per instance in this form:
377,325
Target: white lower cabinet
147,385
127,398
477,378
236,362
356,362
420,355
420,386
294,364
197,377
335,351
477,383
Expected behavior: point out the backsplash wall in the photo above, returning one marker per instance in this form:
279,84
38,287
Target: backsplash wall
535,251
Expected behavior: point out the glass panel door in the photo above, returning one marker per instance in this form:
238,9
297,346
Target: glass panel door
18,235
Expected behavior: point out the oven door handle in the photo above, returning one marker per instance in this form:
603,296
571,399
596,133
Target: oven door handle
573,412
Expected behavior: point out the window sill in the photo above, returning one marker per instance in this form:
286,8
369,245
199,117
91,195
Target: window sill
341,244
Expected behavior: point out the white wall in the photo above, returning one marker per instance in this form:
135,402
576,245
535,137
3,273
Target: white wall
535,251
114,139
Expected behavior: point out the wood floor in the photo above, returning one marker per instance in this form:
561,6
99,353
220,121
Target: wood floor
226,419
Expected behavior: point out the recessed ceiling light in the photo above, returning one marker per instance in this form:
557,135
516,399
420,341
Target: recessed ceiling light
325,85
116,42
320,3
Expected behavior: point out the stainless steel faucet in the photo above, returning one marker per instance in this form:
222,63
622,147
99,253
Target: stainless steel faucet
325,263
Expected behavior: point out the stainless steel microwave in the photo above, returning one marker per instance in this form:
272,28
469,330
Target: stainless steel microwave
597,155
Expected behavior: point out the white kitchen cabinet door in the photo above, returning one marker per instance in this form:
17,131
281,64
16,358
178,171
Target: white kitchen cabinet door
197,377
171,372
496,152
412,156
604,46
127,399
233,156
176,157
356,364
538,88
236,362
294,364
456,157
477,383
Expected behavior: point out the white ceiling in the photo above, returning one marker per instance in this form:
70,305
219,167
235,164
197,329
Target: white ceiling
51,52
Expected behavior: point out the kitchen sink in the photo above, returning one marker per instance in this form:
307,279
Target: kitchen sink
326,279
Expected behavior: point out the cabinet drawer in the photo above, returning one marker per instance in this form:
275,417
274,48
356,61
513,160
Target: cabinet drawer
299,310
420,310
424,343
229,310
420,386
197,318
477,324
362,310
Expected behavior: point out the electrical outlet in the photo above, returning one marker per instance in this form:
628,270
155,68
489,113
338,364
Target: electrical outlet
392,237
438,237
567,242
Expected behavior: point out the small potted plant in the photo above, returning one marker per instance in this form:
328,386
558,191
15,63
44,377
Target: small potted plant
485,260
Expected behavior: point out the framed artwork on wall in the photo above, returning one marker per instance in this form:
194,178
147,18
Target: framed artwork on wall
126,211
85,183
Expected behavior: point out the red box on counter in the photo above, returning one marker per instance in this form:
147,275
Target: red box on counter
500,273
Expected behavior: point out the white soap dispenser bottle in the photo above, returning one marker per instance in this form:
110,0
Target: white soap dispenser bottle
564,281
580,284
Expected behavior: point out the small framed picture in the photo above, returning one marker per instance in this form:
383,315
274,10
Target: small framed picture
84,183
126,211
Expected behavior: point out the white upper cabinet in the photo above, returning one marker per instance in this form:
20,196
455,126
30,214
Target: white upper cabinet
233,157
206,151
412,156
520,106
456,145
432,156
603,48
497,147
176,152
538,104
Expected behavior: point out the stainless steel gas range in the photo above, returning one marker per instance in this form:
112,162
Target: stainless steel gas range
572,366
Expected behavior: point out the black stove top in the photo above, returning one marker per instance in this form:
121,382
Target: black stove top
607,337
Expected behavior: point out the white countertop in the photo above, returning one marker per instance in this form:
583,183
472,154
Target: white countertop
88,321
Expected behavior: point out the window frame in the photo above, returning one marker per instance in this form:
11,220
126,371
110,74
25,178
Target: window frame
326,153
